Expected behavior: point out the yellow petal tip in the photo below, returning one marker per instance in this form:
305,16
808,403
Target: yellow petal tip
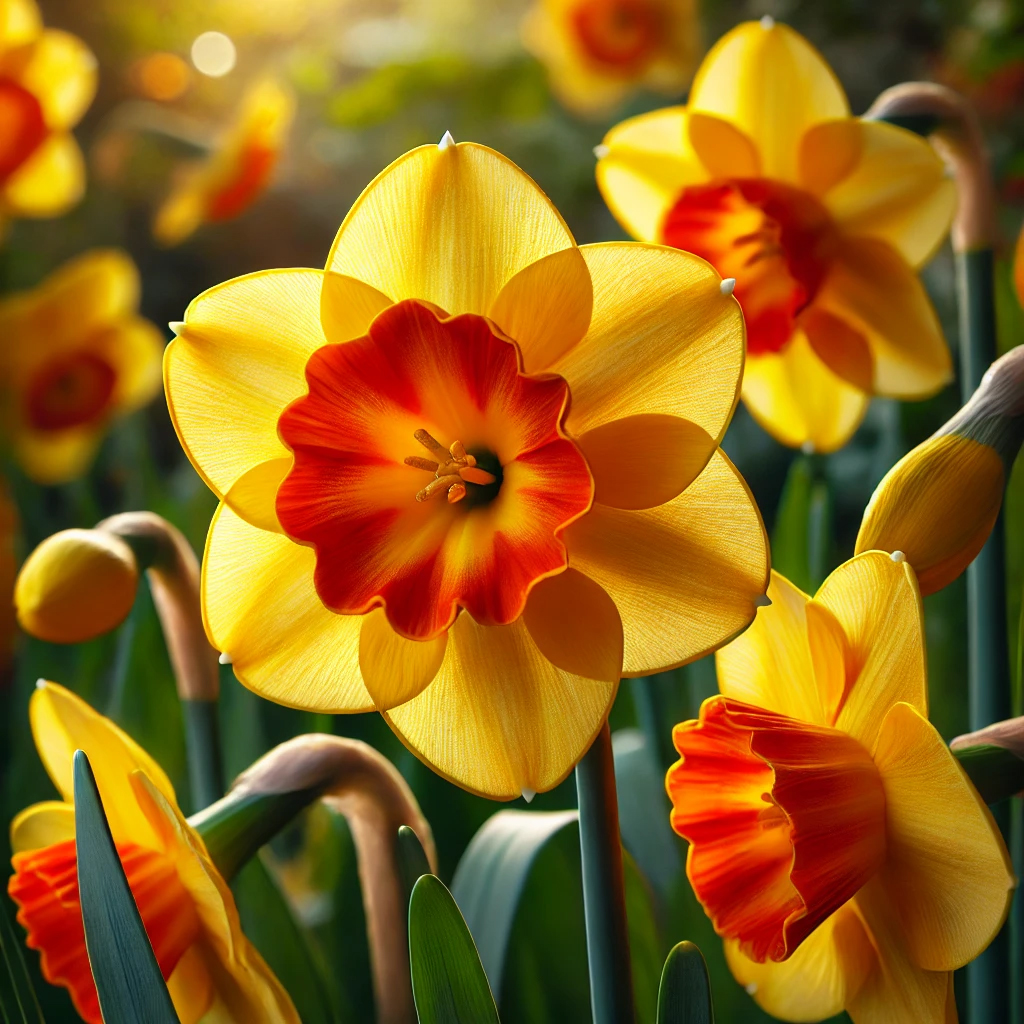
224,658
41,683
898,556
176,327
529,794
447,142
601,151
767,22
807,448
728,285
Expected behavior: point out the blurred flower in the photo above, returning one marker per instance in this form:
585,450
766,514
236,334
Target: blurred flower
393,443
162,76
939,503
836,844
47,81
76,585
74,354
186,906
599,51
1018,267
821,219
238,171
8,572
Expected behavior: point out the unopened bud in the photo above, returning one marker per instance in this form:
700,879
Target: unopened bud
939,503
78,584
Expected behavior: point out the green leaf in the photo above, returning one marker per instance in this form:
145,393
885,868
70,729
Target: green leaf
997,773
128,979
412,860
18,1002
685,993
800,539
448,980
270,926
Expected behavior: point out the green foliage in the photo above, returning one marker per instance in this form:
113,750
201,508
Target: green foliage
448,981
18,1001
128,979
685,993
802,534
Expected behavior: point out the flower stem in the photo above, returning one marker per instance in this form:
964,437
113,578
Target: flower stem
611,978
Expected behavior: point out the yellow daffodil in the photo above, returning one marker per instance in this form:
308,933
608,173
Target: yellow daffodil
820,218
236,173
836,844
47,81
599,51
939,503
466,413
187,908
74,354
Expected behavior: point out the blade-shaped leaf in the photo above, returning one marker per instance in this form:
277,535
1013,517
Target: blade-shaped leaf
412,860
448,980
801,537
128,979
685,993
18,1002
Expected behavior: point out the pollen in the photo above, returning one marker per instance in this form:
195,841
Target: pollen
452,467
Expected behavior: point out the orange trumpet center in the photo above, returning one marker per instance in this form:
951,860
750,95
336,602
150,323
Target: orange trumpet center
620,35
70,391
512,478
45,887
775,240
786,822
22,127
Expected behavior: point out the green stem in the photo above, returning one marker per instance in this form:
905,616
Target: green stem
202,749
988,977
604,900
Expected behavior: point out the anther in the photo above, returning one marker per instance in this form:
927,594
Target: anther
441,483
417,463
456,493
434,447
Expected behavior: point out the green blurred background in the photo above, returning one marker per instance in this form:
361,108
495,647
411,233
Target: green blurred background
373,79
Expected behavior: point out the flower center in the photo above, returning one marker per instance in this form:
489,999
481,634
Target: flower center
70,391
775,240
786,822
22,127
453,469
619,34
45,887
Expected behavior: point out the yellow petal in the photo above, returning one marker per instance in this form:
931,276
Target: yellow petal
181,213
261,608
818,979
191,986
576,626
134,348
239,361
500,718
347,307
60,72
49,182
245,988
770,664
63,723
450,226
546,307
881,181
842,348
684,575
42,824
947,873
771,84
873,289
649,161
724,150
253,495
393,668
937,505
19,22
830,657
674,346
799,400
896,990
56,456
878,605
645,460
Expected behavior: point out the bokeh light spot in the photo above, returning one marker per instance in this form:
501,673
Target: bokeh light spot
163,76
213,54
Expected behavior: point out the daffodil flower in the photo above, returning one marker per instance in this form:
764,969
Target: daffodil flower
599,51
470,473
74,354
821,218
835,843
236,173
47,81
185,905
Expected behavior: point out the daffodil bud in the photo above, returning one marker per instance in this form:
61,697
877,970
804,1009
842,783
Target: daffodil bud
939,503
78,584
993,757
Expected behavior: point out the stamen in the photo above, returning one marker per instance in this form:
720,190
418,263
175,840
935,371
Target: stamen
458,451
477,476
453,466
417,463
456,493
434,447
437,485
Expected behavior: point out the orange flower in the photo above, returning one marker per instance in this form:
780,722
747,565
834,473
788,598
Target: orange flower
238,171
820,218
47,81
598,51
836,844
185,905
74,354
